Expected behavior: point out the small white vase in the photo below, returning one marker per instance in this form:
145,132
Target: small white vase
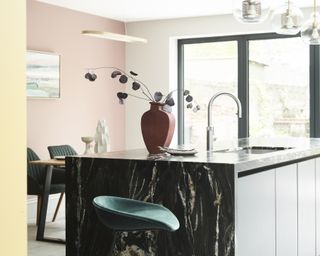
102,137
87,140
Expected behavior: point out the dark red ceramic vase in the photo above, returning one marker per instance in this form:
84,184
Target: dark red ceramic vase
157,127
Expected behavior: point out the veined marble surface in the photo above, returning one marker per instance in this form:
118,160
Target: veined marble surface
300,148
201,196
199,190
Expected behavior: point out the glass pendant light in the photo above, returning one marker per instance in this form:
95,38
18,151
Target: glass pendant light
251,11
310,31
287,19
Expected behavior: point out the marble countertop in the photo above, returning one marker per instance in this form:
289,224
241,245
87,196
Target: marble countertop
300,148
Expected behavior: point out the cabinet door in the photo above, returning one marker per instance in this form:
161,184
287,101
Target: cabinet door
306,208
318,204
256,215
286,211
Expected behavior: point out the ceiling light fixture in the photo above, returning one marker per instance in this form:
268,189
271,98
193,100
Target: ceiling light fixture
114,36
251,11
310,32
287,19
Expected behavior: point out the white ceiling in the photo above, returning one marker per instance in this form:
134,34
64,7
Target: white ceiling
138,10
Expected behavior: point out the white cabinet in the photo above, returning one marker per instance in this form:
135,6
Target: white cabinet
318,205
306,208
256,215
286,211
278,211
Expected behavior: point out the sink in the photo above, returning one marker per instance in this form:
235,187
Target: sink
253,150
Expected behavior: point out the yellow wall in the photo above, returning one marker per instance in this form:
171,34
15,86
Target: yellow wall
13,234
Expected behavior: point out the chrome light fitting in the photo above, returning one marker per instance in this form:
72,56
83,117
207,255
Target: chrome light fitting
287,19
310,31
251,11
114,36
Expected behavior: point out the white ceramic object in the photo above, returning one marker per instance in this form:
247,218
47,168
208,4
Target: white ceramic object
102,137
87,140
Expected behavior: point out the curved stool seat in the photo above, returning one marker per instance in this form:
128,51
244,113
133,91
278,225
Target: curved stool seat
122,214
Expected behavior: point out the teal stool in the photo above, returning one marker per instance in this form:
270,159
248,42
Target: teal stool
122,214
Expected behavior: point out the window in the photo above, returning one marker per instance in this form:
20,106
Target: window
210,68
274,77
279,88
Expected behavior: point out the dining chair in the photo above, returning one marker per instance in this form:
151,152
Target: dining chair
61,150
36,175
124,214
55,151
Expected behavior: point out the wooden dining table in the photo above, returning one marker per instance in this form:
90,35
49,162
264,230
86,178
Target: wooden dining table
50,164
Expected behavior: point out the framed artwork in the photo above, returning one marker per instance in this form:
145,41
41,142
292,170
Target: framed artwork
43,75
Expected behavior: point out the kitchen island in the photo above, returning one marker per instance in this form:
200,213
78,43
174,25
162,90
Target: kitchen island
224,199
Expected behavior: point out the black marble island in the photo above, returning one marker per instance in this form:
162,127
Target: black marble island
199,190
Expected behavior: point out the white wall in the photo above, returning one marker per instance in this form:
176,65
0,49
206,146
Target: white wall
82,104
156,60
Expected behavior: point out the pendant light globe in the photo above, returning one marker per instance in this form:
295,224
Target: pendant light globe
251,11
310,31
287,19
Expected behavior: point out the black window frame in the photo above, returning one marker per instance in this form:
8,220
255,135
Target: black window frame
243,79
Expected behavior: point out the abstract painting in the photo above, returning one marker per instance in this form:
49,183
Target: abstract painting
43,75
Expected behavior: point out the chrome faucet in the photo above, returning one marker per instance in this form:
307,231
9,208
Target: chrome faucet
210,128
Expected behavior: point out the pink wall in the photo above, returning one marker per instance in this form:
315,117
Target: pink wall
82,103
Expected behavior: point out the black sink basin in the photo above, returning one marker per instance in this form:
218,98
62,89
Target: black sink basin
253,150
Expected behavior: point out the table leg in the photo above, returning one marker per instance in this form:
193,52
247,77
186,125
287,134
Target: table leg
43,210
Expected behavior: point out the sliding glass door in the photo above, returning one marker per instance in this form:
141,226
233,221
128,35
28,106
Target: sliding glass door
210,68
279,93
274,76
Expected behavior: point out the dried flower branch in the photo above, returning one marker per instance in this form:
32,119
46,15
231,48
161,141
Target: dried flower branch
138,85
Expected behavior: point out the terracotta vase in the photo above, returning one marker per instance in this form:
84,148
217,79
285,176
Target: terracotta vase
157,127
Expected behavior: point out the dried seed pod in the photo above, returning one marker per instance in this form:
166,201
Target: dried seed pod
189,98
123,79
158,96
133,73
170,102
92,77
87,75
135,86
115,73
190,105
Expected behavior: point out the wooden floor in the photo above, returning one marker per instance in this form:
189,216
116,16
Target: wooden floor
53,229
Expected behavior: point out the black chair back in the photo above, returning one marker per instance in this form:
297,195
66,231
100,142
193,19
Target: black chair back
36,173
61,150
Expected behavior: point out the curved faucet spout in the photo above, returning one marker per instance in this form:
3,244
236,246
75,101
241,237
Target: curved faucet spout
239,110
210,129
